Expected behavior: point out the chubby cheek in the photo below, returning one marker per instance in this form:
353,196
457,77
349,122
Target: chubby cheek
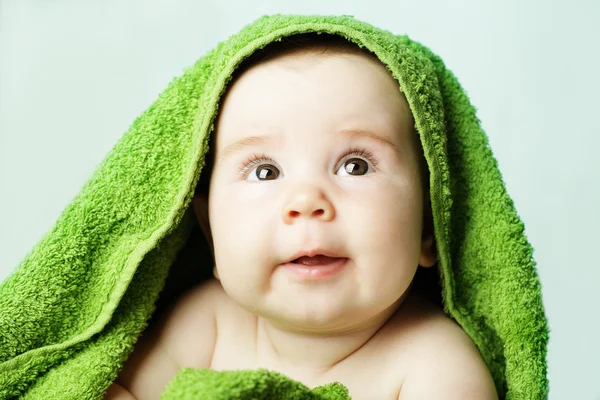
388,236
240,222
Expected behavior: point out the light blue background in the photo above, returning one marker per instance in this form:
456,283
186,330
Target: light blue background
75,74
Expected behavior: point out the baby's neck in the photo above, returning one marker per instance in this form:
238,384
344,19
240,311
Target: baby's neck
310,355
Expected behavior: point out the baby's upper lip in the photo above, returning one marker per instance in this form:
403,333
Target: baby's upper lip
312,253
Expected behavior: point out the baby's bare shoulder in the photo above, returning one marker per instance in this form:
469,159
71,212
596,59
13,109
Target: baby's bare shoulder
445,363
190,325
184,336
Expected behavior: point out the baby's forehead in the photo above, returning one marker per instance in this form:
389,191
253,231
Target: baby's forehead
351,88
234,119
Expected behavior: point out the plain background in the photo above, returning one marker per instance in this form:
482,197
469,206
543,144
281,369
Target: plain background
75,74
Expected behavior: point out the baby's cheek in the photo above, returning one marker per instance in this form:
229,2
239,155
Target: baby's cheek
240,228
389,246
388,222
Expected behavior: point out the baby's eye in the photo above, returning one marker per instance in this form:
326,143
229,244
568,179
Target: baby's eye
354,167
263,172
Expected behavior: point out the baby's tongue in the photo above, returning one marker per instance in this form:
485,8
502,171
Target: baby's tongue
316,260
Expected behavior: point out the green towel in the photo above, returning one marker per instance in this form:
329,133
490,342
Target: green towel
205,384
74,308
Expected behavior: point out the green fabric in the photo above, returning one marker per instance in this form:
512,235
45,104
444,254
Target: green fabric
73,309
205,384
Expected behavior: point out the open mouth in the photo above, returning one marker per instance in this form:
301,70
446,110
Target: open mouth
316,260
315,267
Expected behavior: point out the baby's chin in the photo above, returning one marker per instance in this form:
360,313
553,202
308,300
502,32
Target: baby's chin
324,320
318,328
335,307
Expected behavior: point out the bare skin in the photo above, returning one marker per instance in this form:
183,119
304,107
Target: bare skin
312,125
417,353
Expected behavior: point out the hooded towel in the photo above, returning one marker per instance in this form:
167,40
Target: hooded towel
73,309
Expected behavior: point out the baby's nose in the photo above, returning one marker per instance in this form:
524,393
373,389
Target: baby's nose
307,201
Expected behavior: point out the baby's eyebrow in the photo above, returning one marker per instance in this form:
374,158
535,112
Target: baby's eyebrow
243,143
369,134
262,140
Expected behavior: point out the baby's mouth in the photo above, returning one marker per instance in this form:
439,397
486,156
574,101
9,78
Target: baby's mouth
307,268
316,260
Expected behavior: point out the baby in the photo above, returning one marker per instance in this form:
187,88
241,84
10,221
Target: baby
317,210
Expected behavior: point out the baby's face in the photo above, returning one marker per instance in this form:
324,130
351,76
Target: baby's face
316,155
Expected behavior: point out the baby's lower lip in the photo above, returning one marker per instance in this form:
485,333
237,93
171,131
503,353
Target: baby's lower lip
322,269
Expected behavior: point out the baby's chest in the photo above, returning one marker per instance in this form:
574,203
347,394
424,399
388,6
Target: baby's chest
367,377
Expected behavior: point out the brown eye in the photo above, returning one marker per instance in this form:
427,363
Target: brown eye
356,166
266,172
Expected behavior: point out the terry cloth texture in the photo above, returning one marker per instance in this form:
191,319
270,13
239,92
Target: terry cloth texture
73,309
206,384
